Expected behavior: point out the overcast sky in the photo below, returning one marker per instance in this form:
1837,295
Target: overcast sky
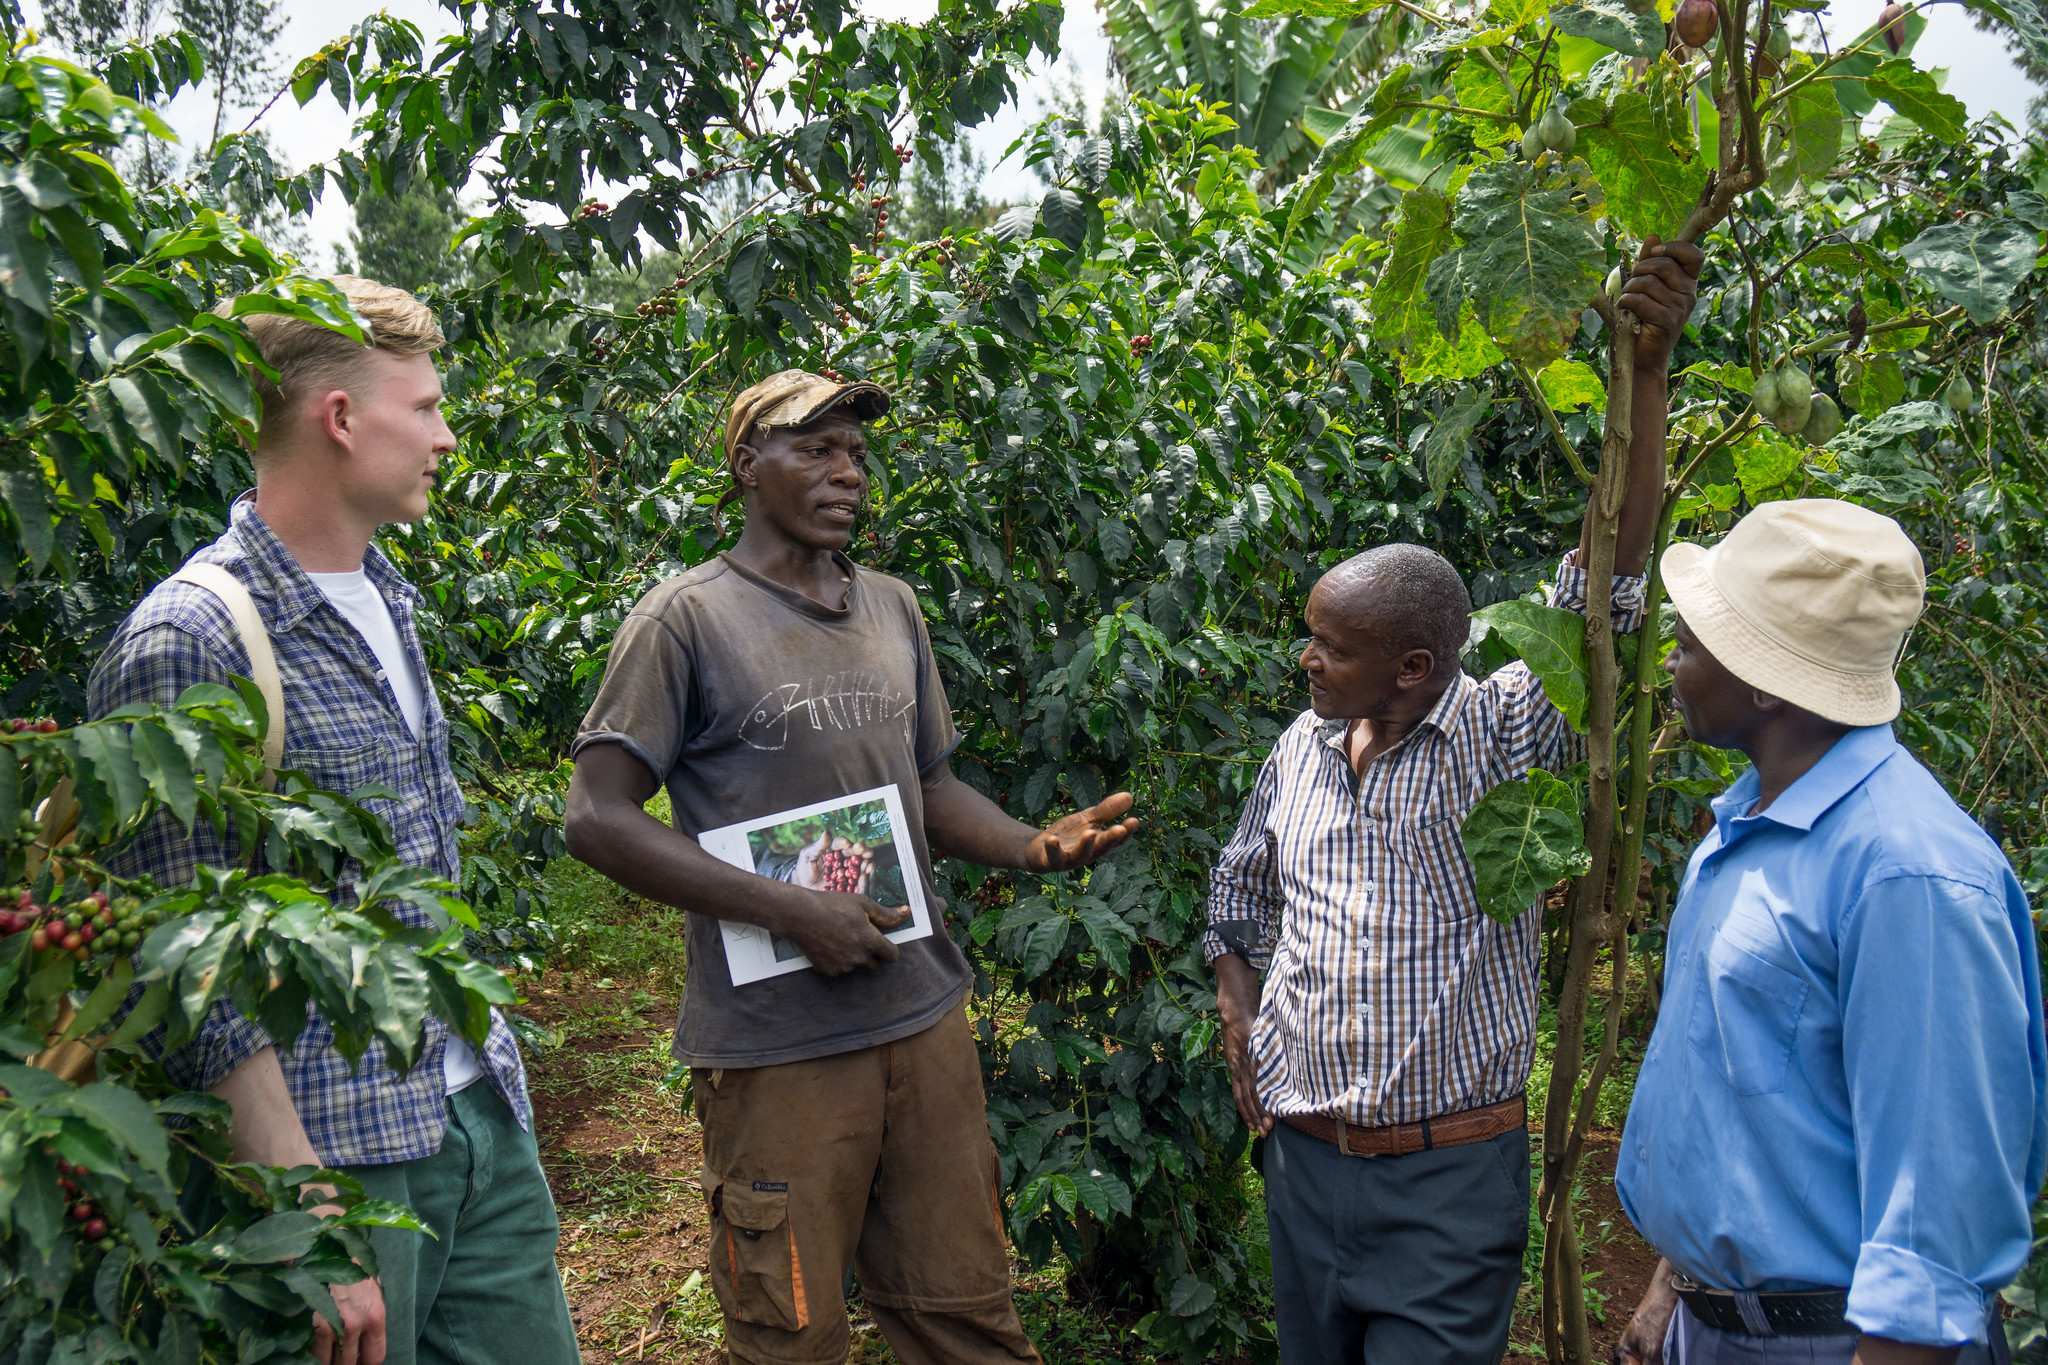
1981,75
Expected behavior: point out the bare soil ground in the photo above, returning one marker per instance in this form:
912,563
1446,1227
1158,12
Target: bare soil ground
1618,1263
622,1154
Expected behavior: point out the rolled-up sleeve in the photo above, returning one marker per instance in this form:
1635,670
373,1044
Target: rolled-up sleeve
1244,889
1626,603
1940,1041
642,704
1529,731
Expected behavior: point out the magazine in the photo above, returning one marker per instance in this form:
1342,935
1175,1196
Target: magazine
850,843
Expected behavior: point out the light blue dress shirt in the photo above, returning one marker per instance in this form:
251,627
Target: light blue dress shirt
1847,1085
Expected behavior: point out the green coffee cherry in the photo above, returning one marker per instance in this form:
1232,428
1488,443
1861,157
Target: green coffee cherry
1532,142
1779,44
1959,395
1615,283
1823,420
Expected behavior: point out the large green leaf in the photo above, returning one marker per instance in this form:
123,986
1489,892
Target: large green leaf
1569,385
280,1237
1405,156
124,1116
1343,150
1611,23
1524,837
1445,445
1805,138
1977,264
1650,189
745,275
1400,309
1552,641
1913,93
1530,264
1880,385
165,767
1066,217
27,498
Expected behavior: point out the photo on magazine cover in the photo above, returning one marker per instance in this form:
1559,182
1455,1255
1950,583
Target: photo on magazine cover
850,844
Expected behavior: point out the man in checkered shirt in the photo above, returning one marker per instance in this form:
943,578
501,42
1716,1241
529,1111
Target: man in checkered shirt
350,439
1395,1021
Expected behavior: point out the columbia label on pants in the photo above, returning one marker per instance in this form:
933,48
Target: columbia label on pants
878,1159
1396,1260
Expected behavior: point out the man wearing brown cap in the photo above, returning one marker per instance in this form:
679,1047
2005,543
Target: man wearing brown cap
1840,1122
842,1106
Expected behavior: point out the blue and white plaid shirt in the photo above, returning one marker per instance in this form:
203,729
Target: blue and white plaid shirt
343,729
1389,997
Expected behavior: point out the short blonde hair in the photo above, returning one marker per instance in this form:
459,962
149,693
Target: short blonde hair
308,356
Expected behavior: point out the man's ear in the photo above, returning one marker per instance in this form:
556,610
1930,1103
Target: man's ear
742,465
334,413
1414,668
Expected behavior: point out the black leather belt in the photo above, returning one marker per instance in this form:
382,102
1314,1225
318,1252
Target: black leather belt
1788,1313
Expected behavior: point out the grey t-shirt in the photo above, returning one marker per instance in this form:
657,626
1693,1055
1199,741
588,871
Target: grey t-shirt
747,698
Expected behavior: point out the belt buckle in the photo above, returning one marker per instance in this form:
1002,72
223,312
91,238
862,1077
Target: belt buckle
1344,1140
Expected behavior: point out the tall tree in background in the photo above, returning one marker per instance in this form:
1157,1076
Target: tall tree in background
406,240
237,38
93,28
944,195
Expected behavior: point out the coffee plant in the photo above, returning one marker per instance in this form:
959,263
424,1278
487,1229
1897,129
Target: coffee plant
127,1230
1133,423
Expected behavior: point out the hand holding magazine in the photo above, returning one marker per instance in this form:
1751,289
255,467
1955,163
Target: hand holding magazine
850,844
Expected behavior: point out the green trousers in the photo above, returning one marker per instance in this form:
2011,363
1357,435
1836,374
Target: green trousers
484,1289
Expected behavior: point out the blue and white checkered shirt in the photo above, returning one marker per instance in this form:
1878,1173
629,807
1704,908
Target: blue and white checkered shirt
343,729
1389,997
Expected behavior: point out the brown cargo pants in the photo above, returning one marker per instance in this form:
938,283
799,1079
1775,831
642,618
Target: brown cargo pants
879,1159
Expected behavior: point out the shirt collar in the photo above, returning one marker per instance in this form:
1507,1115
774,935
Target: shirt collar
293,595
1854,757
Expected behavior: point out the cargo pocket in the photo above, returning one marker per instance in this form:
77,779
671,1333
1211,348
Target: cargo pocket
754,1266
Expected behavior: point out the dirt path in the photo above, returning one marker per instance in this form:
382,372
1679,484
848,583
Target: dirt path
622,1154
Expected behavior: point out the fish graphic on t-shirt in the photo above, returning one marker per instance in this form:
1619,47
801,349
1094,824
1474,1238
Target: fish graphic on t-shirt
843,701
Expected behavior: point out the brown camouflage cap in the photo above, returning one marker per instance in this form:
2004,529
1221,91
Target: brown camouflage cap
793,398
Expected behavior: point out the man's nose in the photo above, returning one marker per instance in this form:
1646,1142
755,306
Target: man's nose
846,470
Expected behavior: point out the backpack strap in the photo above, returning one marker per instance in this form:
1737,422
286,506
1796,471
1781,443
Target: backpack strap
255,642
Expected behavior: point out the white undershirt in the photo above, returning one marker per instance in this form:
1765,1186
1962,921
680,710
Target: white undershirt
357,599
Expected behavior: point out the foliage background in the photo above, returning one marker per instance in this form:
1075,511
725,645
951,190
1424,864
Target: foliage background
1134,421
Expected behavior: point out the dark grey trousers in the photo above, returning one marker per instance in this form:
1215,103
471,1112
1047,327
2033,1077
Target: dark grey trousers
1688,1341
1409,1260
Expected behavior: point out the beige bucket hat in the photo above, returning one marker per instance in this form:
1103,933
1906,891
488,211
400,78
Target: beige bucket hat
792,398
1810,600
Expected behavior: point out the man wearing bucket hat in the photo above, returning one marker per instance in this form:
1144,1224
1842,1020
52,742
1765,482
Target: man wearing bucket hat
844,1120
1840,1122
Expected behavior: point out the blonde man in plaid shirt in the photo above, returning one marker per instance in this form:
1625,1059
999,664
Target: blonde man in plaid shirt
1393,1030
351,437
